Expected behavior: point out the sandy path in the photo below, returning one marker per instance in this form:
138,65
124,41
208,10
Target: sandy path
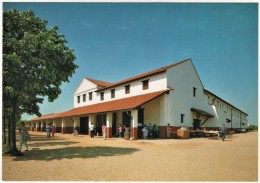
81,158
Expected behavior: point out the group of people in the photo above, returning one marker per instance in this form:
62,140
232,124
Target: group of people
150,131
50,129
98,130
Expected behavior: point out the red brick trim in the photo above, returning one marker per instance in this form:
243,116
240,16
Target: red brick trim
134,133
109,132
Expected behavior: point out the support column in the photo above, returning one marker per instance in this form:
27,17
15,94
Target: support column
134,121
109,124
41,126
37,123
63,126
54,123
74,124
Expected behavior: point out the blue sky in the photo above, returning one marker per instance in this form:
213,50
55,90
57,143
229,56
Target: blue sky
114,41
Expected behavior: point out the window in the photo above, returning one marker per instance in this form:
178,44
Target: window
194,92
145,84
90,96
102,96
182,118
127,89
112,93
84,98
78,99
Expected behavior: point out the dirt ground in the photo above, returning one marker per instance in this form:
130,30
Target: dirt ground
80,158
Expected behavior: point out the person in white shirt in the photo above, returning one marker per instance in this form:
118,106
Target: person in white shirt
91,127
145,132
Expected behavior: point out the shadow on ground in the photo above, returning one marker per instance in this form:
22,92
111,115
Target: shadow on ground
41,138
74,152
40,144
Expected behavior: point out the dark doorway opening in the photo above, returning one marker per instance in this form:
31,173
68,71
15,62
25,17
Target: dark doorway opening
83,125
140,122
114,127
196,124
127,119
101,118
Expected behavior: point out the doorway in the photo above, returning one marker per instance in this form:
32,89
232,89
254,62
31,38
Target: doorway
83,125
127,119
114,124
196,124
140,122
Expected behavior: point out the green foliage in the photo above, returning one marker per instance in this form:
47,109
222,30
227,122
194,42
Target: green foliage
252,128
35,61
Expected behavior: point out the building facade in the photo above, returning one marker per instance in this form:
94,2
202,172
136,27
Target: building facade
172,95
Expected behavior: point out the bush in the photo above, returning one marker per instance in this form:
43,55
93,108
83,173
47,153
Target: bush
252,128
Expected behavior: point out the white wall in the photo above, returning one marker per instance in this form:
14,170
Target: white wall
222,111
182,78
156,83
84,88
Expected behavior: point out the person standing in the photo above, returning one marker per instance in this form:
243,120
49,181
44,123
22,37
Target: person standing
91,127
97,129
48,130
53,130
168,131
24,137
156,131
104,131
150,131
120,130
145,132
223,131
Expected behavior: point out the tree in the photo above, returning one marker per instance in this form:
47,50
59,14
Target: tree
36,61
252,128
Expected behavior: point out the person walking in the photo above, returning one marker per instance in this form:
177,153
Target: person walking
24,137
223,131
120,129
104,131
53,130
91,127
48,130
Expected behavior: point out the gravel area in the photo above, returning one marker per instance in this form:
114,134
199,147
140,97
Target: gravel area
81,158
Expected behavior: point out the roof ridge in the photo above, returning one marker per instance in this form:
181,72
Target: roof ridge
145,74
99,82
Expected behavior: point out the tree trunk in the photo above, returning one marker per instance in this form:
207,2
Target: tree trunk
9,130
14,150
4,135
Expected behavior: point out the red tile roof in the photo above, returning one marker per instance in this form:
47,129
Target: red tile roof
46,116
115,105
156,71
99,82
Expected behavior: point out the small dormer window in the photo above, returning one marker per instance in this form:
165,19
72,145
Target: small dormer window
112,93
145,84
102,96
90,96
127,89
78,99
84,98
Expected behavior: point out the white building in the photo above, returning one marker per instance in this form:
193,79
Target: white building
172,95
